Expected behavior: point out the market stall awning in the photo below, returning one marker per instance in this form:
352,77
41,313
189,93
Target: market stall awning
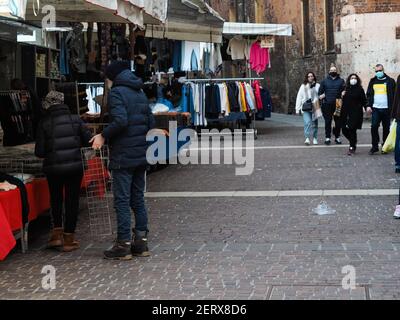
14,9
138,12
233,28
191,20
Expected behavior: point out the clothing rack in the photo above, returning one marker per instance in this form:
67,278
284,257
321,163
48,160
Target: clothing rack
254,129
6,92
91,83
223,80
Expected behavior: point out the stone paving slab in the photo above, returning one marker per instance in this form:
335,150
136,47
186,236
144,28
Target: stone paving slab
316,293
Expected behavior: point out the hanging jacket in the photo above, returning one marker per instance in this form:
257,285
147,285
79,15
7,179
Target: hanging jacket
267,102
130,121
242,98
233,94
213,101
259,58
257,93
251,100
60,137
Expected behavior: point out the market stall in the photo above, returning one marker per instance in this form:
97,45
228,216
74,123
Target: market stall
138,12
19,162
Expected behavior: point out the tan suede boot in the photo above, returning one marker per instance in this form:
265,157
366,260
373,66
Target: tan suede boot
70,244
56,238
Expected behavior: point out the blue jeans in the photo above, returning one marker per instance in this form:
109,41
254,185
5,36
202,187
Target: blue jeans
309,124
128,185
397,150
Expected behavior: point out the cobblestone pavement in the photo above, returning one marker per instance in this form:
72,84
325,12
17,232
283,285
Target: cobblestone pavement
240,247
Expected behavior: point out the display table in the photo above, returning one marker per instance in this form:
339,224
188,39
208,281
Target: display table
7,240
11,208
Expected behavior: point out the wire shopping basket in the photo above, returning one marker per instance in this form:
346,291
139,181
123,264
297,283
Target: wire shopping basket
98,184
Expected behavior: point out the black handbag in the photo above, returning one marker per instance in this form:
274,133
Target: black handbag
307,106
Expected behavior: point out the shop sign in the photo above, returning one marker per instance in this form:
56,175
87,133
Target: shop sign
13,8
268,42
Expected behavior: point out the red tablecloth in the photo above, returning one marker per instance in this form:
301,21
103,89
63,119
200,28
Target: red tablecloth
7,240
10,209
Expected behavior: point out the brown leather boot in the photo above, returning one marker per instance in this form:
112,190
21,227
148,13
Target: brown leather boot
70,244
56,238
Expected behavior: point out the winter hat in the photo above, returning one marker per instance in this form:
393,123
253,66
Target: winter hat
52,98
115,68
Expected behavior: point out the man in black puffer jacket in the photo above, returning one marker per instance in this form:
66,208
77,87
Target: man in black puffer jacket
331,89
130,121
60,137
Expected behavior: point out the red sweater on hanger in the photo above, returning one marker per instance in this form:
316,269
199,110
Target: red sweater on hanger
259,58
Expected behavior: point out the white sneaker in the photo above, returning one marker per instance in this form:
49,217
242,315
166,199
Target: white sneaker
307,142
397,212
315,142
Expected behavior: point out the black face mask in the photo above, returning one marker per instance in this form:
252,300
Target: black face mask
333,74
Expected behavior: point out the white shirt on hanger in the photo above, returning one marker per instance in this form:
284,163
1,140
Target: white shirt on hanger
237,48
188,48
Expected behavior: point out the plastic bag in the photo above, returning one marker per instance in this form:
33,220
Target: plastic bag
338,111
390,143
323,209
159,108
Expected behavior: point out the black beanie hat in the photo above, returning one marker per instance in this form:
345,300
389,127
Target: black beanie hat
115,68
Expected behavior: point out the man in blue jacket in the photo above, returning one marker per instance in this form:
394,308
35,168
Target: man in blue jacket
380,98
331,89
130,121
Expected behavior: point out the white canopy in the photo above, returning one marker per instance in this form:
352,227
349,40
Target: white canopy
14,9
138,12
233,28
190,20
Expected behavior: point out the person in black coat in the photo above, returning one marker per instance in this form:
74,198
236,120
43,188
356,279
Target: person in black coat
380,99
329,91
130,121
60,137
352,115
396,115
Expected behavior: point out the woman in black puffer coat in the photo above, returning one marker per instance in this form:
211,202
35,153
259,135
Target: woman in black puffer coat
60,137
354,103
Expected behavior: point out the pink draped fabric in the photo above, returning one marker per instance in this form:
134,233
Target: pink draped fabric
259,58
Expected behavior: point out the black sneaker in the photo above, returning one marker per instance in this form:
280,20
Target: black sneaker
120,251
338,141
328,141
351,152
397,170
373,151
139,246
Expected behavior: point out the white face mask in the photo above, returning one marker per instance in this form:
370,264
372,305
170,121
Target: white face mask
353,82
